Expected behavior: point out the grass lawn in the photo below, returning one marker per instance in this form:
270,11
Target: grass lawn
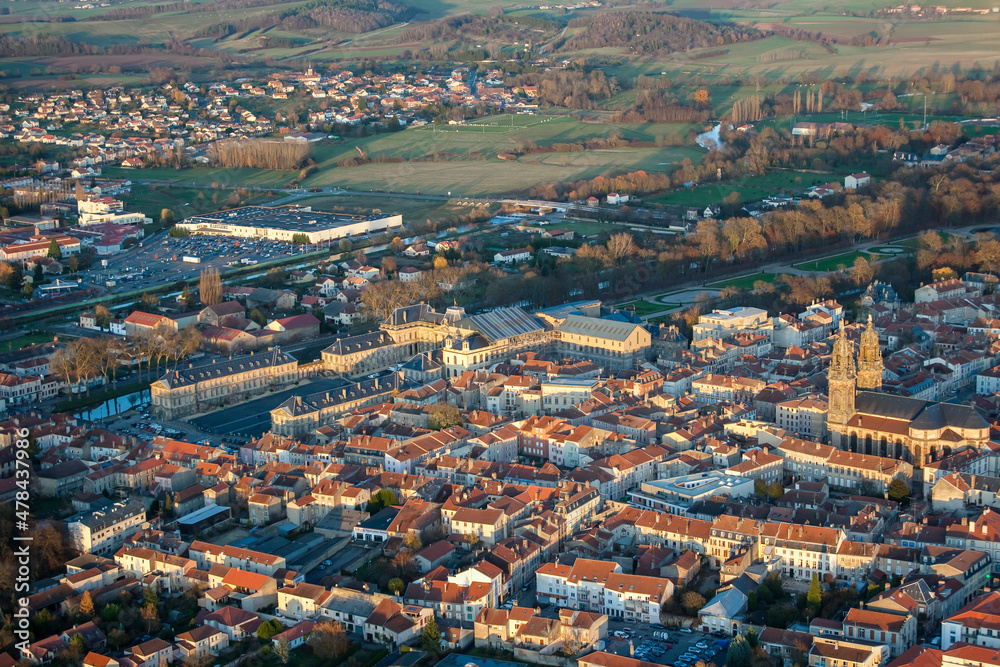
184,202
914,241
749,189
641,308
591,227
835,263
746,282
14,344
410,209
894,250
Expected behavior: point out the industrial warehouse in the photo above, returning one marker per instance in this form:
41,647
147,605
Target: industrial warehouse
285,223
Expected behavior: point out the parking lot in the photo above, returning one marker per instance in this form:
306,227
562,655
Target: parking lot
680,648
160,260
253,418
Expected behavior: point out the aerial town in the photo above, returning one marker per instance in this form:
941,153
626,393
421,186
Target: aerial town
400,333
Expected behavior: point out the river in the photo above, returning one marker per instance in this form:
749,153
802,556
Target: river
709,140
114,406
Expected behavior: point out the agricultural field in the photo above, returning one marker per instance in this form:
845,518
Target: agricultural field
490,175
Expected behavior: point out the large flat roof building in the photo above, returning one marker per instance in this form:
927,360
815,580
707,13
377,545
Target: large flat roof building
282,223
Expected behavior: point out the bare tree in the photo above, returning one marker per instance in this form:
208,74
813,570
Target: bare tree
210,287
621,247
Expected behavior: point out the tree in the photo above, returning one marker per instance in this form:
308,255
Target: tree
329,640
442,416
300,238
692,602
396,586
151,616
102,316
944,273
78,646
385,296
10,276
899,491
388,266
739,652
430,640
862,272
382,499
282,650
268,629
55,252
258,317
210,287
74,264
166,216
28,290
440,263
621,247
345,245
177,232
87,605
814,598
775,490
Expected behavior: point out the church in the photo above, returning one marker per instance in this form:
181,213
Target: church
862,419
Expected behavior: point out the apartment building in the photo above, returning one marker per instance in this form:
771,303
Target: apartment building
102,532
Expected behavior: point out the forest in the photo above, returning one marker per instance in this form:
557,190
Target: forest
652,32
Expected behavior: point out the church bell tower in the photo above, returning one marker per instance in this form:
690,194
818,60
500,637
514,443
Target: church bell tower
870,360
842,379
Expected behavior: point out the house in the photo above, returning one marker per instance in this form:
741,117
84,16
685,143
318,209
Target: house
410,274
201,643
294,328
394,624
152,653
215,314
295,636
433,555
855,181
509,256
723,612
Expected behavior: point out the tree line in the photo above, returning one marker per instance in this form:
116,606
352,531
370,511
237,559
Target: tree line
258,154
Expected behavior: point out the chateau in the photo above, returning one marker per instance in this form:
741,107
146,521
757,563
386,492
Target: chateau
202,387
862,419
476,342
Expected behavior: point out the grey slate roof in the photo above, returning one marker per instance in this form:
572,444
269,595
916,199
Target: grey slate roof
366,341
922,415
502,323
218,369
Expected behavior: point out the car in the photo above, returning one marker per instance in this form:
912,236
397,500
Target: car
657,626
701,645
328,563
686,630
